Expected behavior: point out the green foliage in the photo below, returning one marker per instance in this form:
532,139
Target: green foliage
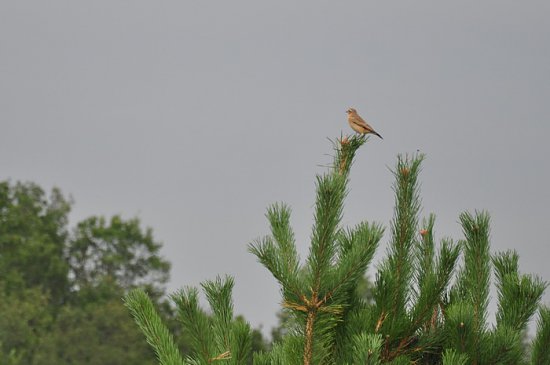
414,313
118,249
216,337
319,294
420,310
151,324
411,281
367,348
470,297
24,320
474,279
452,357
96,334
541,350
518,298
48,313
395,274
518,295
33,232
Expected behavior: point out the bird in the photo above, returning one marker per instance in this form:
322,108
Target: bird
358,124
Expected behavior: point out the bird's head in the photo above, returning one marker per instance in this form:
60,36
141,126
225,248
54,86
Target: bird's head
351,111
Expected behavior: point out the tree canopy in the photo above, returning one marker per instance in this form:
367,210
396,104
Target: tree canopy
61,288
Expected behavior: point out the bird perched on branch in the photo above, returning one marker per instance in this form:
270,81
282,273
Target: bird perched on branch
358,124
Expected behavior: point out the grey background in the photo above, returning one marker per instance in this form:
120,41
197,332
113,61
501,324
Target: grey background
196,115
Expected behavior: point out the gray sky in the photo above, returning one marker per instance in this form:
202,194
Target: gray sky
195,115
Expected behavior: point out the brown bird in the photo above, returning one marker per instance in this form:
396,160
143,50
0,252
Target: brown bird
358,124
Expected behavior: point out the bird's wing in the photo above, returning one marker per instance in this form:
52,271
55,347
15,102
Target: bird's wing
361,123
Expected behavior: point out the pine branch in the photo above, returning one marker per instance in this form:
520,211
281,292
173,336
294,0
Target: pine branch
219,336
353,261
218,294
452,357
476,275
272,258
241,343
196,323
518,295
459,328
366,349
331,191
345,149
541,350
502,346
157,334
394,277
425,252
434,281
328,214
279,218
287,352
473,282
404,227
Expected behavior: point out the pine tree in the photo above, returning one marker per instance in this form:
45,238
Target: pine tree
427,307
321,294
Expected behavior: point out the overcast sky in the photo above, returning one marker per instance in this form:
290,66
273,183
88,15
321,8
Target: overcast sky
196,115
